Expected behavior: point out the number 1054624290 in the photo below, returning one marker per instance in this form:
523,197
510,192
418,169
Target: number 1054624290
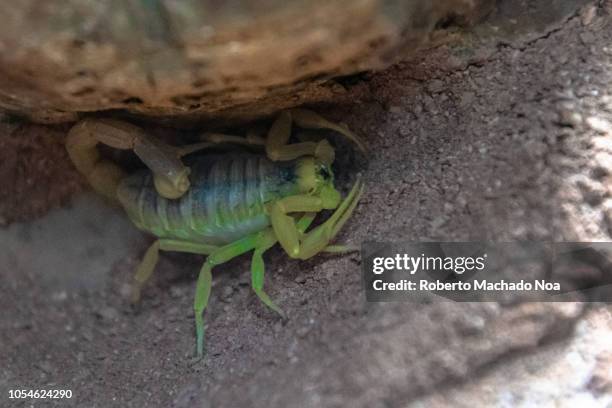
39,394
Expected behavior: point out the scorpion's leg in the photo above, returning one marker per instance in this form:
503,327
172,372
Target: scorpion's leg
267,240
151,257
219,256
304,246
145,270
171,176
340,249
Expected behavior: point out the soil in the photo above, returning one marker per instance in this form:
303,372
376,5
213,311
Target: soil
35,170
503,140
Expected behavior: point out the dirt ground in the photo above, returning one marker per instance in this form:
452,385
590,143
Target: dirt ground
504,139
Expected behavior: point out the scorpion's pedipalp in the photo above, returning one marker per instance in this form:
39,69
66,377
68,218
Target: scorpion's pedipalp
311,120
278,147
293,151
305,245
304,222
284,225
345,210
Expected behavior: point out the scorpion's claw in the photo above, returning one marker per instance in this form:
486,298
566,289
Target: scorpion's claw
317,240
311,120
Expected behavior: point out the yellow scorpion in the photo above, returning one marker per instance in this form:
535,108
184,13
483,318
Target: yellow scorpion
222,205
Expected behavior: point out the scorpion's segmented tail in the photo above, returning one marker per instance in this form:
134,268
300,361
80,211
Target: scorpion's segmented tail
103,175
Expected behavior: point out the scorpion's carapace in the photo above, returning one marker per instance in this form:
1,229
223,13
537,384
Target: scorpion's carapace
222,205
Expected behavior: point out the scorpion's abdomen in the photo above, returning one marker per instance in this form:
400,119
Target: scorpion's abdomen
226,200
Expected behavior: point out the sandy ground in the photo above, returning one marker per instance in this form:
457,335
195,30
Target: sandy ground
500,140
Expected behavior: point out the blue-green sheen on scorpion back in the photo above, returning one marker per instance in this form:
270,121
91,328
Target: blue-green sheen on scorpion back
225,202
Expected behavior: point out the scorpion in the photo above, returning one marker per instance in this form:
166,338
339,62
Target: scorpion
222,205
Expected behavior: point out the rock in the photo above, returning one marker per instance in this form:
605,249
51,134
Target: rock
575,372
601,380
587,14
593,191
108,313
435,86
601,165
300,279
606,5
438,222
46,367
599,124
200,59
405,351
226,293
177,292
569,117
467,99
191,395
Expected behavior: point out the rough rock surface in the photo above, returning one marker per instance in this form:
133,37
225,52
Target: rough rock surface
497,139
576,372
202,59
